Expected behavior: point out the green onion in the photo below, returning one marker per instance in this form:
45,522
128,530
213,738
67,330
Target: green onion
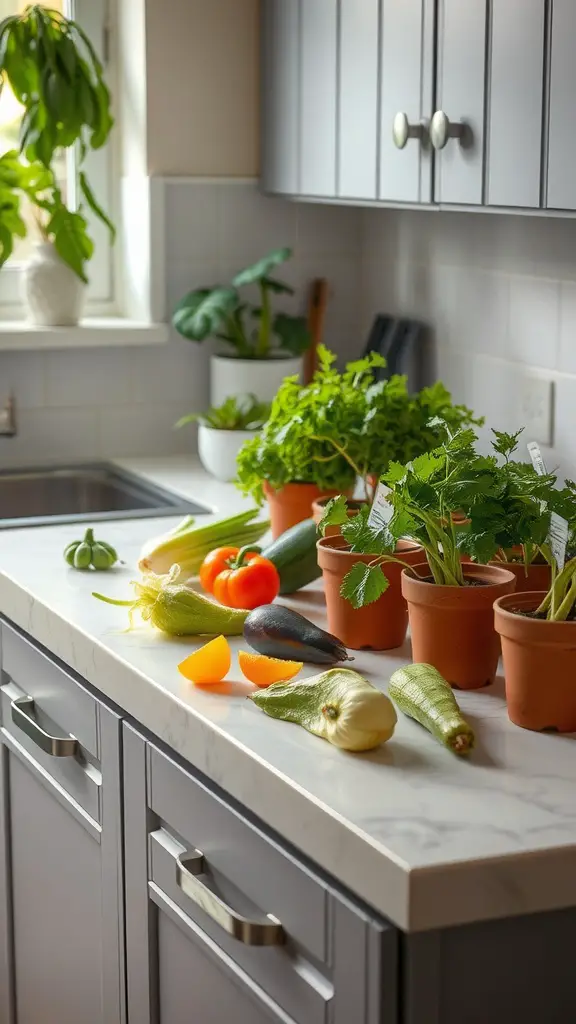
187,545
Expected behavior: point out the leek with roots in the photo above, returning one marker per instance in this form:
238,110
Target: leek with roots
187,545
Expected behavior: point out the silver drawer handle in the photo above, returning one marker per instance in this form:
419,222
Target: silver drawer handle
23,716
251,933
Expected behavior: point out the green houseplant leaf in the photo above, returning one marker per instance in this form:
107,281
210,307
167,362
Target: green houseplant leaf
293,333
363,584
55,73
204,312
261,270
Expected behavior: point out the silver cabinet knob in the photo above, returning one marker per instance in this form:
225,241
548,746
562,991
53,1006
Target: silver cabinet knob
402,130
442,129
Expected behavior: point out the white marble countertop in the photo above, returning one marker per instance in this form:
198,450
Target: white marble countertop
425,838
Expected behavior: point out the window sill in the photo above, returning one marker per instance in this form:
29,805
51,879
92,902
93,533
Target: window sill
92,332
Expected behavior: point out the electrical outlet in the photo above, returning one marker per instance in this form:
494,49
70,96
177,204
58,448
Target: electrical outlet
536,413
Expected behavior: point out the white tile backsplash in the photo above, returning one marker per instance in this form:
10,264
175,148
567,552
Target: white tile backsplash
98,403
499,292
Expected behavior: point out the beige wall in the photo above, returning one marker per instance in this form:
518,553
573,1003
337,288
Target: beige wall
202,81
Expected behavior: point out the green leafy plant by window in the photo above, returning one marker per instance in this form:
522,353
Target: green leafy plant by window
56,75
234,414
252,330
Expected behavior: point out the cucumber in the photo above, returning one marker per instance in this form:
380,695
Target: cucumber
423,694
295,557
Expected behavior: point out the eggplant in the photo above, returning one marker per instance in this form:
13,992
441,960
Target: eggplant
280,632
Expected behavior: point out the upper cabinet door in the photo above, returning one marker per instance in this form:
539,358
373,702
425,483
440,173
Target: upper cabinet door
318,99
358,99
280,91
515,103
406,84
562,136
457,128
490,73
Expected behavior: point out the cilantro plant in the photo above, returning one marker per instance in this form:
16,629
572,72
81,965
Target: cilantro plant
560,601
396,426
344,425
308,425
506,503
364,583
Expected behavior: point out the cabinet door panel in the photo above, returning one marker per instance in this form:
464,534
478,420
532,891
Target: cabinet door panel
193,989
407,42
358,106
462,26
515,107
280,44
562,136
318,56
56,898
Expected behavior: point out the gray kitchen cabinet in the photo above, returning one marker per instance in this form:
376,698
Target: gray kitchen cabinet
61,921
561,190
318,97
224,923
280,96
487,126
406,92
358,99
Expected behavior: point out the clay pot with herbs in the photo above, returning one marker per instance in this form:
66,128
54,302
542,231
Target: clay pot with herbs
291,504
380,625
538,634
452,627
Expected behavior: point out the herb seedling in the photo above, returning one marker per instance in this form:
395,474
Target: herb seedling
234,414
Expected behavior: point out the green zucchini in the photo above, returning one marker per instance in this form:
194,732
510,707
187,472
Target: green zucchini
423,694
295,557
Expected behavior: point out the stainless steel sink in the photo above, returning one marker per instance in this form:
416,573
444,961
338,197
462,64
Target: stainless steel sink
71,494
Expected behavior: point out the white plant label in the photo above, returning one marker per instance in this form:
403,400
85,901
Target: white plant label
558,535
381,512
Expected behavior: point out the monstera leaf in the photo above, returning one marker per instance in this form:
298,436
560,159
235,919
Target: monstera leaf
202,313
261,270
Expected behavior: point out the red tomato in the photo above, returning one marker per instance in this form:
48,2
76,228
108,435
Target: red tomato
252,583
215,563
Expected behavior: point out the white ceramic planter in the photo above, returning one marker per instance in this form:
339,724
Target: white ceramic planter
259,377
218,450
53,293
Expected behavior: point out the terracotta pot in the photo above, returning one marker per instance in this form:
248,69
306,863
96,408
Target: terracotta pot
452,628
319,505
539,576
292,504
539,665
379,626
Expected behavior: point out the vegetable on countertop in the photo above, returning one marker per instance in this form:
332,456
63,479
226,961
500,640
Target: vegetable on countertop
209,664
294,555
176,608
187,545
338,705
83,554
264,671
282,633
423,694
240,578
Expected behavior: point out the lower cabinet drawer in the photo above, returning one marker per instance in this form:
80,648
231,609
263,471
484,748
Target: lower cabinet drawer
275,926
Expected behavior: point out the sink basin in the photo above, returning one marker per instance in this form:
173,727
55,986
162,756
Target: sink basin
72,494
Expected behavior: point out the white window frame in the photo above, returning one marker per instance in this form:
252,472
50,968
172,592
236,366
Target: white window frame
101,167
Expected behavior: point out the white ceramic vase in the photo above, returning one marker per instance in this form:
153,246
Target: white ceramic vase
53,293
218,450
231,377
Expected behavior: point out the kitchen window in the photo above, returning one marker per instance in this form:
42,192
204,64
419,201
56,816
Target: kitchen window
93,16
